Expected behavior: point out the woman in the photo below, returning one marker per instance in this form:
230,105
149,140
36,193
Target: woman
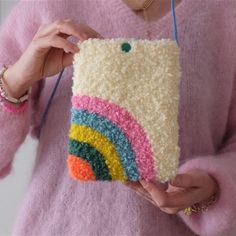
34,42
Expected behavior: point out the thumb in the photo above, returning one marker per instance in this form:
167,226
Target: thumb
67,59
185,181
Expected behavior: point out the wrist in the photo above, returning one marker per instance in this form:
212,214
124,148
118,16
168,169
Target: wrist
201,206
13,84
207,203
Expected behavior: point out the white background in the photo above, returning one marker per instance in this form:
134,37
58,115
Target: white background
13,187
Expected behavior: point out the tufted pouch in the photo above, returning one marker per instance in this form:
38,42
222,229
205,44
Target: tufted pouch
124,110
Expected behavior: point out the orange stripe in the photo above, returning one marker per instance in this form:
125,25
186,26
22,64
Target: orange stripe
80,169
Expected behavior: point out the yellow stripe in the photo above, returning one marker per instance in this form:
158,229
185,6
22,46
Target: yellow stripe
85,134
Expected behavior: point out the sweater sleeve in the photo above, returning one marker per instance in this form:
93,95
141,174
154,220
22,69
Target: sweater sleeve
15,34
220,219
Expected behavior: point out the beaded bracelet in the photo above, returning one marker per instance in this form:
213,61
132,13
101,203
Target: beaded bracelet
8,103
5,95
200,207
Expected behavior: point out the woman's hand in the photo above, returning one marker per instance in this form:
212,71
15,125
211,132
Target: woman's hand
47,54
195,186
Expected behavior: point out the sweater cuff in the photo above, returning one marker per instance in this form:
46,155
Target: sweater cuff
220,218
6,170
14,128
11,108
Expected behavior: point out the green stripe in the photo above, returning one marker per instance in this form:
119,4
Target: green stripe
96,160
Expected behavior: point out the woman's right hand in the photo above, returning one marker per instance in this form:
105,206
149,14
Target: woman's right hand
47,54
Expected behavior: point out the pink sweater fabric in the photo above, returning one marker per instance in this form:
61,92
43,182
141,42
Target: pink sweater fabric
55,204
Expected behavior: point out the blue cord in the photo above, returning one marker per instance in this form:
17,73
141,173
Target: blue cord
49,102
175,32
175,36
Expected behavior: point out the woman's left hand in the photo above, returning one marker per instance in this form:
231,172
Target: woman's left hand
195,186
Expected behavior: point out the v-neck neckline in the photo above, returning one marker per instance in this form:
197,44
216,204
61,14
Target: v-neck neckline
156,26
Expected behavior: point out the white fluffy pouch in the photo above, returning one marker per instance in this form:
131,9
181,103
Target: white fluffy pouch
124,110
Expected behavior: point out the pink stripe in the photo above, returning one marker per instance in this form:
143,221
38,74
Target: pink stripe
131,128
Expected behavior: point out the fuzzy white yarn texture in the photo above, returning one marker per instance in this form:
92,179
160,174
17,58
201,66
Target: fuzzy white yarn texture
144,81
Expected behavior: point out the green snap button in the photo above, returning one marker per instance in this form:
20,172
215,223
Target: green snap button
125,47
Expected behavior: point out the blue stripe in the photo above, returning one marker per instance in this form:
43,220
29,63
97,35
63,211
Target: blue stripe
111,132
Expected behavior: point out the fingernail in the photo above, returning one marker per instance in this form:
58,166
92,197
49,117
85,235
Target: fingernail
99,36
85,36
175,181
76,48
144,183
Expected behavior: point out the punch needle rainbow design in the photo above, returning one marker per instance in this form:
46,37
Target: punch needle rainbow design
124,110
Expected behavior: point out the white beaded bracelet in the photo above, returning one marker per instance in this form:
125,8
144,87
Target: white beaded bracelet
5,95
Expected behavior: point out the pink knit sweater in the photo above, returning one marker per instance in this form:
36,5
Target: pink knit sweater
55,204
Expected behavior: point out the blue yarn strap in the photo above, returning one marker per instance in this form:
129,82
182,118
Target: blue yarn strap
43,119
175,36
174,24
